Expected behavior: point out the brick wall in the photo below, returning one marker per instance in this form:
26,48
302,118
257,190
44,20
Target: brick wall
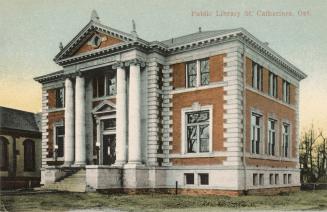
212,97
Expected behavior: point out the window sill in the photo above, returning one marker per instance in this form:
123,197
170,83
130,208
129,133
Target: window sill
211,85
199,155
55,110
269,157
103,98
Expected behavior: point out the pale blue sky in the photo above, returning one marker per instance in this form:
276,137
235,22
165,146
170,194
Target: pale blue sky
30,32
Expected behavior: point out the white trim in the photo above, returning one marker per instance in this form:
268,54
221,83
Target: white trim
194,108
211,85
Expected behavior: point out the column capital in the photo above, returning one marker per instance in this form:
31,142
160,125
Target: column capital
136,61
118,64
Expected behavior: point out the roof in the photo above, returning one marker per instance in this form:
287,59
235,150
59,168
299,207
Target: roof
194,37
166,47
19,120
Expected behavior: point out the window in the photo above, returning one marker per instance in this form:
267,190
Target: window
261,179
255,179
255,133
4,162
29,155
204,71
204,179
191,74
289,176
59,146
109,124
276,179
104,85
286,138
197,131
272,84
189,179
286,91
285,178
197,73
271,136
60,97
257,76
271,179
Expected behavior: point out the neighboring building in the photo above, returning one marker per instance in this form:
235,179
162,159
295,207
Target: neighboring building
20,149
215,111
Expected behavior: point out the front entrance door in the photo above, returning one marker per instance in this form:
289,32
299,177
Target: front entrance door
109,149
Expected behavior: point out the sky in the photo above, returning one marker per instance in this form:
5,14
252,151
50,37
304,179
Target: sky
30,32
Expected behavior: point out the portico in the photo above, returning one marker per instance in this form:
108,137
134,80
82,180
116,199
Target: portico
126,111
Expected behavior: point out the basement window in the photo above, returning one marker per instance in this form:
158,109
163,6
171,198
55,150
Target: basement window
285,178
289,178
276,179
189,178
271,179
204,179
261,179
255,179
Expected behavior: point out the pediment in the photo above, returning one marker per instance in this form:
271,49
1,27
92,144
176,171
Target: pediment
105,106
97,40
92,37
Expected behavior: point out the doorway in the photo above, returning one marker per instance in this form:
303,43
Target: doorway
109,149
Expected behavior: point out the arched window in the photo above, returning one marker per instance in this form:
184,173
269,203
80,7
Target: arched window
29,155
4,162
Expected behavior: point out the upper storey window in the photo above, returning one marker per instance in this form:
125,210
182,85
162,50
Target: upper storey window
104,85
60,98
197,73
272,84
286,91
257,76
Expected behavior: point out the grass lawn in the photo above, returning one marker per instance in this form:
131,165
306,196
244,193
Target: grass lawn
304,200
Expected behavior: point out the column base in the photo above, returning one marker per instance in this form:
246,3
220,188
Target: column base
119,163
68,163
134,164
79,164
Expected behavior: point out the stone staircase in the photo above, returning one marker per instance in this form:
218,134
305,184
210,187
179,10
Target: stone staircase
73,182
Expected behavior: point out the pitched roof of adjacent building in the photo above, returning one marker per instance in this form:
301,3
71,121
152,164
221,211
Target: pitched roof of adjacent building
13,119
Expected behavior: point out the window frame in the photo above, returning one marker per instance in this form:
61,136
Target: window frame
257,76
184,125
256,127
59,103
271,149
200,175
273,85
286,91
286,154
29,163
198,74
5,144
55,142
186,178
106,86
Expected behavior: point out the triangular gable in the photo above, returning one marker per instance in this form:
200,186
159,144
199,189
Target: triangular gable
82,42
97,41
104,107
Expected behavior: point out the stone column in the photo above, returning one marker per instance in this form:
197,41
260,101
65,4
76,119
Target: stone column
69,123
134,115
80,148
121,117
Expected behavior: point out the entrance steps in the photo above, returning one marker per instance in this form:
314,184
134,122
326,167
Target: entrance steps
73,182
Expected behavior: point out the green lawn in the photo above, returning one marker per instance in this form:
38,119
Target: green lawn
304,200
